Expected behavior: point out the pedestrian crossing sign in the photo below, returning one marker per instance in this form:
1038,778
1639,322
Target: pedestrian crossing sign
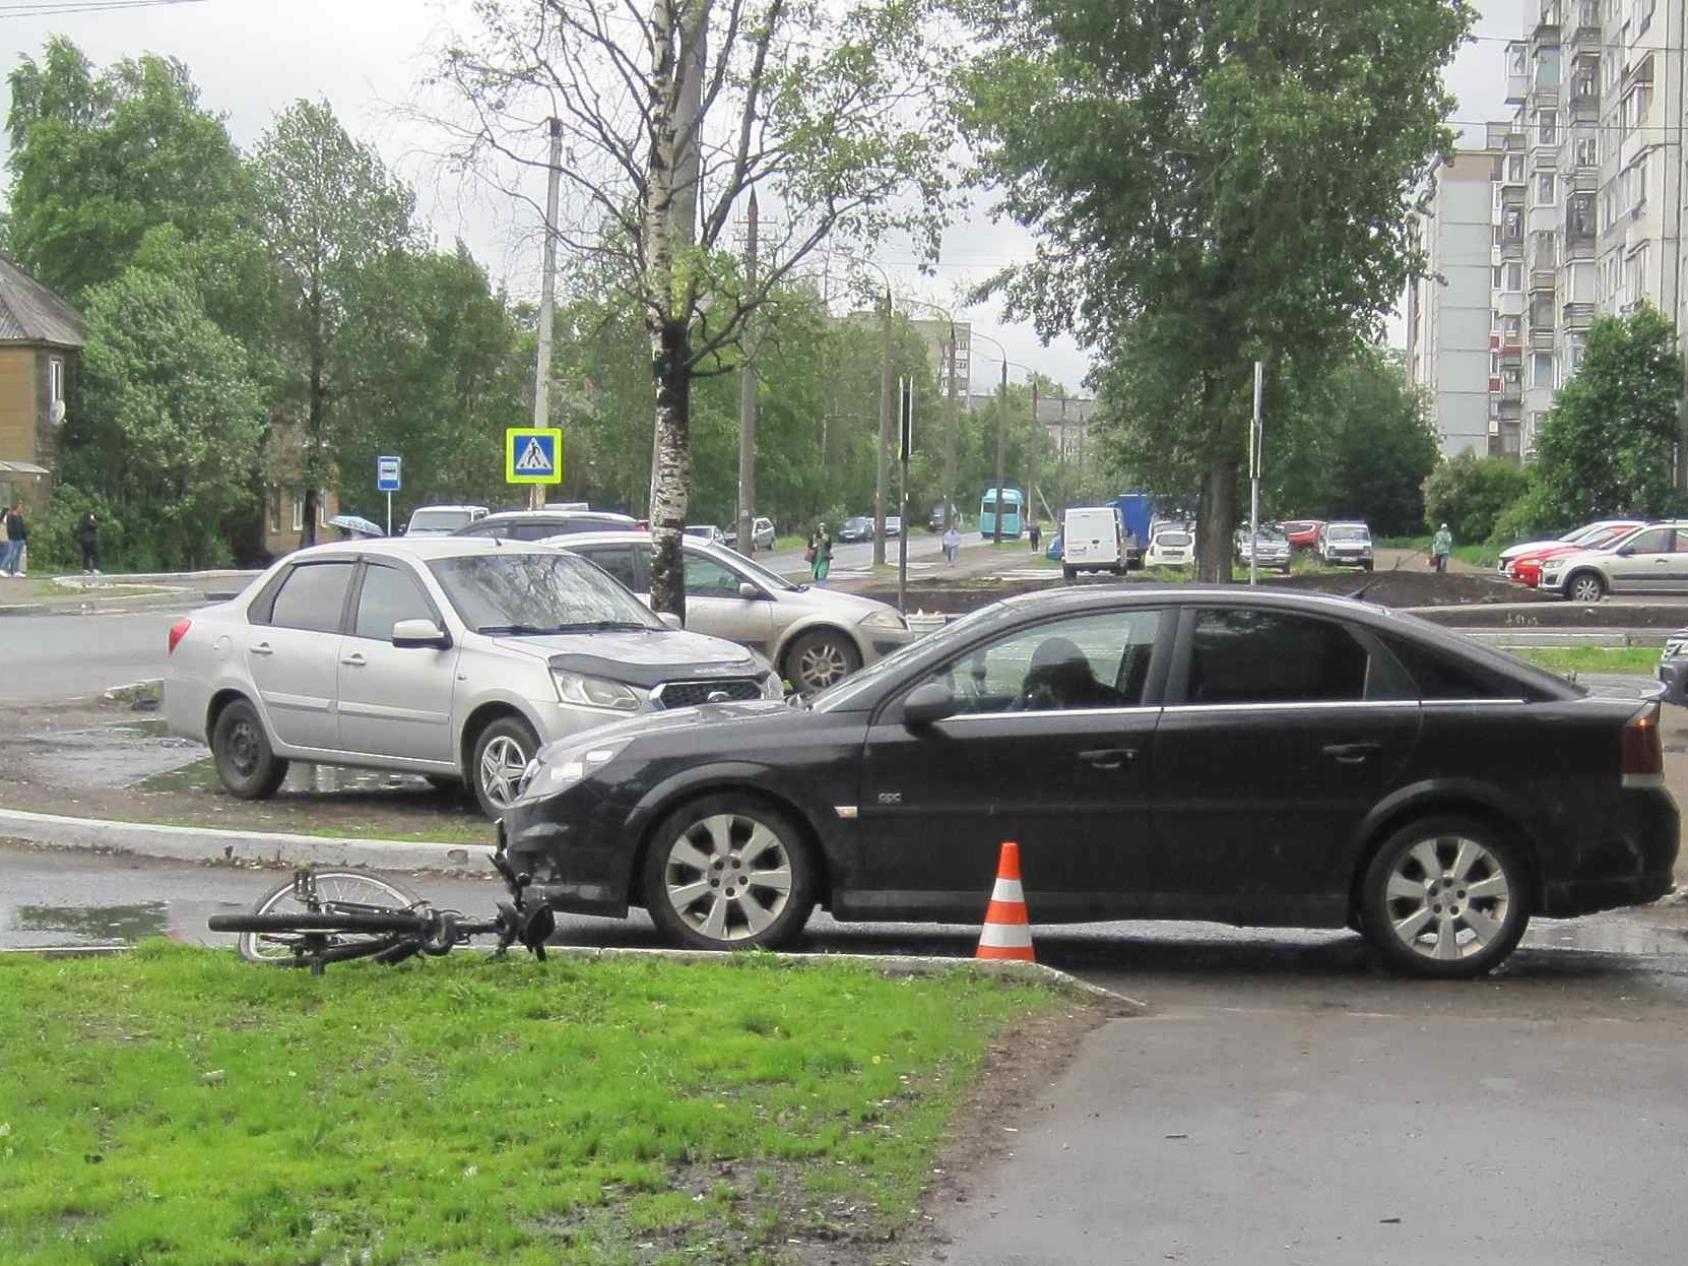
533,455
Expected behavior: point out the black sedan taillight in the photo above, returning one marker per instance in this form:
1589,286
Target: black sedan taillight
1641,754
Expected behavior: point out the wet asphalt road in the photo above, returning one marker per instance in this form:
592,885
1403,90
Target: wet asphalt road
1283,1101
52,657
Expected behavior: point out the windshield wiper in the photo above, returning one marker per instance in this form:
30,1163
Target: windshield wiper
548,630
605,626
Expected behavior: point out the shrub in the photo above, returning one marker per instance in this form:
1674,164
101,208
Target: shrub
1470,493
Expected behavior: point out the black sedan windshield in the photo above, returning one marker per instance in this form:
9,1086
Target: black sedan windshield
536,594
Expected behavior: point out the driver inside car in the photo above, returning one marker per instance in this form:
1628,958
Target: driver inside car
1060,677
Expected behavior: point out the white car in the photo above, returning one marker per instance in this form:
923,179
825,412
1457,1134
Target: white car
1588,535
762,534
815,637
1092,539
1170,547
1345,544
442,520
706,532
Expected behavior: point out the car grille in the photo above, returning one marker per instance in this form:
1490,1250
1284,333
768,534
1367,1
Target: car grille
689,694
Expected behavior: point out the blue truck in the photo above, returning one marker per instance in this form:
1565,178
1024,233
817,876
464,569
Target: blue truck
1137,509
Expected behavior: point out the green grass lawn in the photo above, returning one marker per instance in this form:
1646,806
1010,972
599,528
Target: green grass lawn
1593,659
180,1106
1476,555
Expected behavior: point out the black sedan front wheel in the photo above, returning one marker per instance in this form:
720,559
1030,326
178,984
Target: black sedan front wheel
1446,898
728,872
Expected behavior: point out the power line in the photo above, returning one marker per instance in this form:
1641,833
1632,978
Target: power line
55,8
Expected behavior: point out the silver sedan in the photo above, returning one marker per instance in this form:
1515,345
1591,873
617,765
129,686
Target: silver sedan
814,637
451,657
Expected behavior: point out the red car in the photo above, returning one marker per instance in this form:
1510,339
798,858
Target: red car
1303,534
1526,568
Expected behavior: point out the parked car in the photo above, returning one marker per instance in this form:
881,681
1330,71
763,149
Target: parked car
1588,536
1270,548
1170,547
1057,545
857,528
1651,559
893,526
1092,539
454,659
442,520
816,637
1250,757
935,519
1302,534
536,525
1346,544
1525,568
762,535
706,532
1673,668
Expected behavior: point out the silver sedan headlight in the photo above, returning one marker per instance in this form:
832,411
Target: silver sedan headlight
886,620
581,691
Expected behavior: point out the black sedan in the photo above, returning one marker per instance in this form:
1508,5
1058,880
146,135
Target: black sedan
855,529
1263,759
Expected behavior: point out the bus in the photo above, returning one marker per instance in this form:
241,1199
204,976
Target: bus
1013,521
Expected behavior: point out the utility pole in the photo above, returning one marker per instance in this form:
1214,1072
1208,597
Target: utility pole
905,446
885,386
1001,426
1255,436
747,400
949,434
547,300
1032,454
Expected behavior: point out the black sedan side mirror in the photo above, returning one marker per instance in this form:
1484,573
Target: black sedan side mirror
928,703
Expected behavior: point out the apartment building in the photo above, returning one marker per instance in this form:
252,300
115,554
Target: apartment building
1587,210
1450,310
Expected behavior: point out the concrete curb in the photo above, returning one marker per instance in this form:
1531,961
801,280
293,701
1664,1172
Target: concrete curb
213,844
889,964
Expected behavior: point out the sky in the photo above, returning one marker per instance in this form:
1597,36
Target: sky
251,58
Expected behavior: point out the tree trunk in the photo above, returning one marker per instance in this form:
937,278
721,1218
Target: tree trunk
1216,516
672,485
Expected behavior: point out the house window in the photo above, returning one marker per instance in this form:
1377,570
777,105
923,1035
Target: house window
1494,284
1587,151
1509,328
1547,127
55,380
1541,370
275,509
1514,277
1644,14
1512,223
1546,189
299,514
322,506
1515,59
1586,82
1515,169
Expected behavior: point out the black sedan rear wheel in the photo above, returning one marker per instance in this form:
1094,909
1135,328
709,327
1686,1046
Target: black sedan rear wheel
729,872
1445,897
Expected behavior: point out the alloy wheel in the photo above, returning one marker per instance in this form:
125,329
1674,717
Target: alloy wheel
1586,588
1448,898
822,664
728,876
502,763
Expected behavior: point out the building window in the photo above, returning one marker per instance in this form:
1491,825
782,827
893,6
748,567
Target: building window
1514,278
1541,370
1512,224
1586,81
1515,169
1547,127
1635,105
1494,284
1644,14
55,380
275,509
1546,189
1515,60
1587,151
299,513
1509,328
322,506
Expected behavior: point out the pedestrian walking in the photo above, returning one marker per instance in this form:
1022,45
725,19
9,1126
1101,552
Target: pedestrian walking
1036,533
5,543
952,543
17,542
820,554
88,541
1441,545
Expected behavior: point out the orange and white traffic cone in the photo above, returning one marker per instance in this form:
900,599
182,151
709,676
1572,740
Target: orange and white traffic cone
1007,932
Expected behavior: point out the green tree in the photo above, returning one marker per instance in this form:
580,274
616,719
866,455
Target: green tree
1210,183
100,158
1608,445
668,120
168,430
1471,493
328,210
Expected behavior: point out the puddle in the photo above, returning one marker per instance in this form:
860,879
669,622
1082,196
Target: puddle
335,778
95,923
1607,936
102,756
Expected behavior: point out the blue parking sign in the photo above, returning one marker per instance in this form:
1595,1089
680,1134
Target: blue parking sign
386,474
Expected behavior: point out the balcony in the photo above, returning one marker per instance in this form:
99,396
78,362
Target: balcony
1541,337
1543,280
1511,248
1585,180
1585,107
1579,247
1507,392
1578,316
1585,28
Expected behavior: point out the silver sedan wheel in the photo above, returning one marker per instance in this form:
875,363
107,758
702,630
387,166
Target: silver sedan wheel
1586,588
502,764
822,664
1448,898
728,876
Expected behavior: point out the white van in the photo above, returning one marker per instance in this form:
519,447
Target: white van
1092,539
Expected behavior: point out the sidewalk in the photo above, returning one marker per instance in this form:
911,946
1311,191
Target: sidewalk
45,594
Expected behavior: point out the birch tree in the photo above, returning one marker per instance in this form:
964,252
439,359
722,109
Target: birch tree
671,113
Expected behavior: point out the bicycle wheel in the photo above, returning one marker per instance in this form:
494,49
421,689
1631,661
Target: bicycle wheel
338,891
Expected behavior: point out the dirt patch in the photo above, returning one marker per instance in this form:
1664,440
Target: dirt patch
1019,1065
106,759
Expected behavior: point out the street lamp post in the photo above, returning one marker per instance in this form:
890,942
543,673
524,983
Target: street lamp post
1001,427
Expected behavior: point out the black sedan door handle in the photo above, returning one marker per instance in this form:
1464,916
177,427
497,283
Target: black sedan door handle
1352,753
1108,757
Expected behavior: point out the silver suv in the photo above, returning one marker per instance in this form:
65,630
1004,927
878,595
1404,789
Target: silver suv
454,658
1651,559
815,637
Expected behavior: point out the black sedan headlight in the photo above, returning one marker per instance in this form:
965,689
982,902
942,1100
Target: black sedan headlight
548,775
